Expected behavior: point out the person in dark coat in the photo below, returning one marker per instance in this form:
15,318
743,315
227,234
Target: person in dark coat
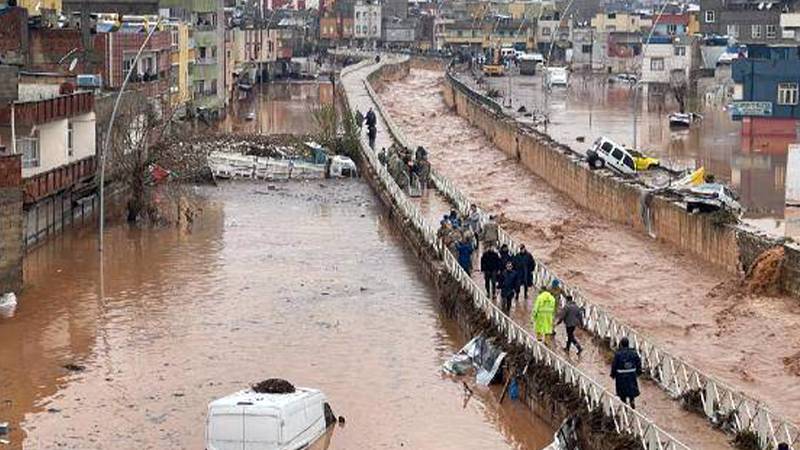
490,266
372,120
572,317
505,256
508,286
359,119
465,250
372,134
625,370
524,265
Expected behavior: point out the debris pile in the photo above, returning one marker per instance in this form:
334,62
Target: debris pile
188,158
273,386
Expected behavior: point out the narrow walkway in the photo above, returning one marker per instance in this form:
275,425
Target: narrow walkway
690,428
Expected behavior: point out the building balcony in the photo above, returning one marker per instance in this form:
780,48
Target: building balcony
61,178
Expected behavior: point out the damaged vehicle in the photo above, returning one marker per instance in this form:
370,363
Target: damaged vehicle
271,415
710,197
607,153
481,354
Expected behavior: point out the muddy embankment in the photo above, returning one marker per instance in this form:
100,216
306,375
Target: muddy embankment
731,247
543,389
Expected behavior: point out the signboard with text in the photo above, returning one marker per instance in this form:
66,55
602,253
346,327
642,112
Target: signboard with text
758,109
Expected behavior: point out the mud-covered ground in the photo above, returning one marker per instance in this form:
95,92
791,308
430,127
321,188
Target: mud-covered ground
304,281
694,310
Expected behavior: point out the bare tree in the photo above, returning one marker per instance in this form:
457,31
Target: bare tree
679,87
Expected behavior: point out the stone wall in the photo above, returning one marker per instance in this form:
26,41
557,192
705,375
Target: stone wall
11,248
614,198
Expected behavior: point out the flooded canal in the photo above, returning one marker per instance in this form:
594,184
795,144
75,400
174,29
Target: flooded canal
695,311
304,281
278,108
591,107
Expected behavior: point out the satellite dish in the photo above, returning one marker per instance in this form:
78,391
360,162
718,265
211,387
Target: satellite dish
72,64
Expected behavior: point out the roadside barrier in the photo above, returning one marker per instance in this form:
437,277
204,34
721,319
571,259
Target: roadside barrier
722,404
626,419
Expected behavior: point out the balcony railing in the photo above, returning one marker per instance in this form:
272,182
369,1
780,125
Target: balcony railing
56,180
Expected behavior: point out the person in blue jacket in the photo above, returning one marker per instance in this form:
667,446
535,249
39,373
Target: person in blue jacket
465,250
625,370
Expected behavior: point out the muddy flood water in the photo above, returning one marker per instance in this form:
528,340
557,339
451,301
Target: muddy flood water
693,310
278,108
304,281
591,107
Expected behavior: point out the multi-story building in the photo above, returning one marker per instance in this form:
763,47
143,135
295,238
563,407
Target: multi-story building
746,21
620,22
767,90
666,60
367,21
182,59
208,73
401,32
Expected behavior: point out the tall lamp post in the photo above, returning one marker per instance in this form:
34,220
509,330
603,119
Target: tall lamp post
107,138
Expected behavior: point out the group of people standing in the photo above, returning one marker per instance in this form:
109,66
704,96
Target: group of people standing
407,167
512,275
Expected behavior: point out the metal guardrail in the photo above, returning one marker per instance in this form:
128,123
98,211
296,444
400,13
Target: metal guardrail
722,404
626,419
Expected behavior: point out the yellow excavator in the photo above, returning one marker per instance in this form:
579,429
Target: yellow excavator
494,64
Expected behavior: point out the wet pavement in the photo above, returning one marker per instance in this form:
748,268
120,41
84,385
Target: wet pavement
592,107
695,311
305,281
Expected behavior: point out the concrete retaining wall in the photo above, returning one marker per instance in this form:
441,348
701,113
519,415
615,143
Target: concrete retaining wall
732,248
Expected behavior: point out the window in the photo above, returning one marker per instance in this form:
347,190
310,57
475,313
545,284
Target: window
202,51
199,87
29,148
710,16
358,15
672,28
787,93
617,154
70,147
733,30
586,48
545,31
657,64
755,31
127,63
628,161
680,51
772,31
214,51
174,36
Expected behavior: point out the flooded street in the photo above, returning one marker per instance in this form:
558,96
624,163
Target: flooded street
303,281
591,107
281,108
693,310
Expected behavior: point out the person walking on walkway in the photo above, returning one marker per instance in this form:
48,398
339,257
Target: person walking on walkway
508,287
525,265
372,133
359,119
490,233
625,370
372,120
465,250
544,310
572,317
491,267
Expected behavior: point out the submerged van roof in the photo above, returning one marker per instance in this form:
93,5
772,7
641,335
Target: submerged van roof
273,401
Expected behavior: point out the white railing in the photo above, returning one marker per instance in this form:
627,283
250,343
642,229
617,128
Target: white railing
626,419
722,404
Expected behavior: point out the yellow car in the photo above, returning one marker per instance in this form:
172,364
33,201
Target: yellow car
642,162
493,69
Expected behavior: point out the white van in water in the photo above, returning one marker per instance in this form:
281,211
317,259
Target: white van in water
248,420
557,76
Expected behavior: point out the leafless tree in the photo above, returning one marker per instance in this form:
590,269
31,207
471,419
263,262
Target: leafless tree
679,87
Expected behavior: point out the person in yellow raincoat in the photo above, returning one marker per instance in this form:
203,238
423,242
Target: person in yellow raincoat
544,311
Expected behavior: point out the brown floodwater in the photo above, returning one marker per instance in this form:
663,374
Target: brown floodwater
278,108
304,281
755,167
691,309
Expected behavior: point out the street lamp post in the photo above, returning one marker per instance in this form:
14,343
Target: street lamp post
107,139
